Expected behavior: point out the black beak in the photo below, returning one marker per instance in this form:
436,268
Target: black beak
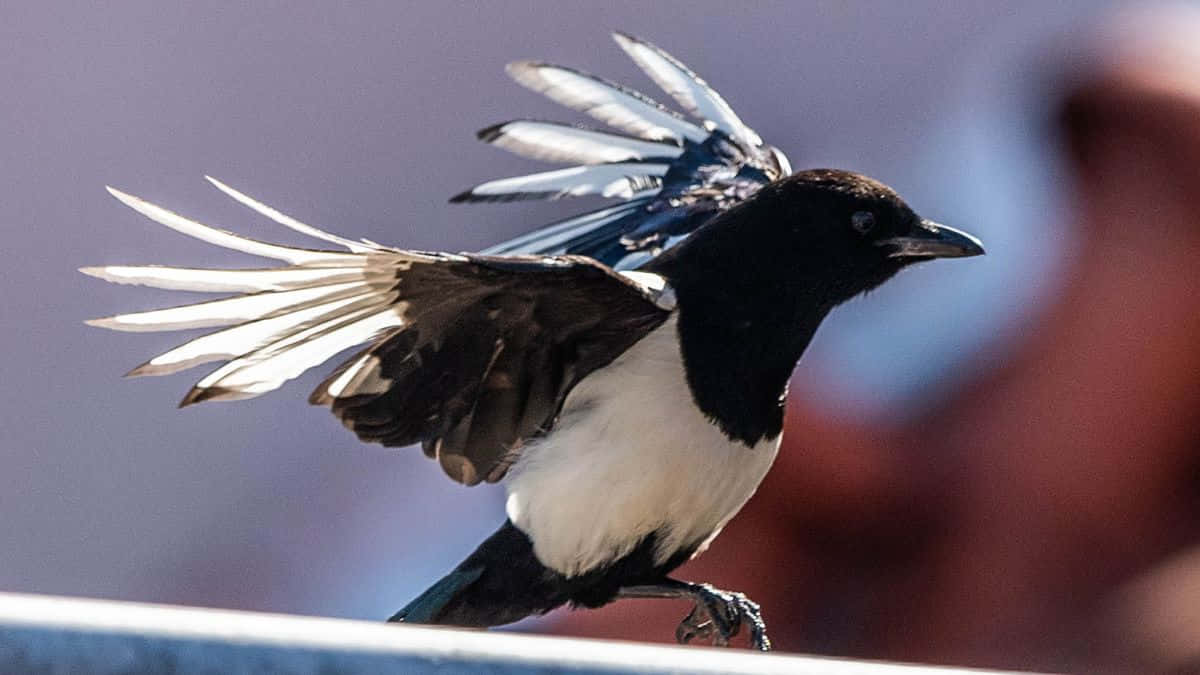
933,240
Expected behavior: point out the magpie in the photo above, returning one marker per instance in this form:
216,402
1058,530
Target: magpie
623,372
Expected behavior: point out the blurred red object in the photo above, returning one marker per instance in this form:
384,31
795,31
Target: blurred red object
1008,525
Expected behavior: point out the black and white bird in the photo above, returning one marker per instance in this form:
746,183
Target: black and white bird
623,372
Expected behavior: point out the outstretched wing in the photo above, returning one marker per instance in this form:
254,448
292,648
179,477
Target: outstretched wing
470,355
673,174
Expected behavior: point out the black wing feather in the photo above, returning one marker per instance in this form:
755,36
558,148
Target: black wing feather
487,370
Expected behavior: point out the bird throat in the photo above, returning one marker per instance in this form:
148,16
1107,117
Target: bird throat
739,357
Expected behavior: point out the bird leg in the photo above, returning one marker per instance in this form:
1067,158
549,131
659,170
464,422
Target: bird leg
718,615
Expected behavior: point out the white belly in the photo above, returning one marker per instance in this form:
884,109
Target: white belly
631,455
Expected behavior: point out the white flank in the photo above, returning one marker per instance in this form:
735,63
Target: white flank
608,102
631,455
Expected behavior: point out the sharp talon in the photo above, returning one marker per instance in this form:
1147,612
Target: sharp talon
685,634
691,627
762,643
719,616
716,615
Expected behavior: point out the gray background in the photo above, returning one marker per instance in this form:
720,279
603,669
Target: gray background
359,118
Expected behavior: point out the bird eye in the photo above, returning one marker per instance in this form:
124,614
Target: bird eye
862,221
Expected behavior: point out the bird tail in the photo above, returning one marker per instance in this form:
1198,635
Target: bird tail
431,605
501,582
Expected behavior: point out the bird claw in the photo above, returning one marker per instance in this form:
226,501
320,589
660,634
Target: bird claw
693,626
719,615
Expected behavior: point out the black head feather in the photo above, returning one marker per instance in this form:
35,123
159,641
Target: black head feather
755,282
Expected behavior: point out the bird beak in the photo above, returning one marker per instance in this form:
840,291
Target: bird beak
933,240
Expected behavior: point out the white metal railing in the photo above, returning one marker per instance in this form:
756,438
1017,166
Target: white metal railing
49,634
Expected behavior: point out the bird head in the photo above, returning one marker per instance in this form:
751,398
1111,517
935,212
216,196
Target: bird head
811,241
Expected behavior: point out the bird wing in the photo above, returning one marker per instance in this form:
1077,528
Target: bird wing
671,173
469,355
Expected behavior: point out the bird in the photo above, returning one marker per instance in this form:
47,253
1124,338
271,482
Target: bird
623,373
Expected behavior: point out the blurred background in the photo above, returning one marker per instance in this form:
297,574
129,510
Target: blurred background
992,462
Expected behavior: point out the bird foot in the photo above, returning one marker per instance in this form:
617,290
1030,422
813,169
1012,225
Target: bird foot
719,616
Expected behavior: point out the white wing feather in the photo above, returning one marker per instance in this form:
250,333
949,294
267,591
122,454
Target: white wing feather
553,142
687,88
230,240
224,281
610,103
288,221
268,368
227,311
289,318
545,239
610,180
247,337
